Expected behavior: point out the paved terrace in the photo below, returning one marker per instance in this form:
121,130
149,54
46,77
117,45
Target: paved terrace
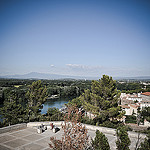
25,136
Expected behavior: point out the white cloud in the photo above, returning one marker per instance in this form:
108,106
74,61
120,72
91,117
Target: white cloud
52,66
84,70
94,71
82,66
75,65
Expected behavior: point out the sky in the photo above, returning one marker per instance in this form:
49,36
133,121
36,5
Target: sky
75,37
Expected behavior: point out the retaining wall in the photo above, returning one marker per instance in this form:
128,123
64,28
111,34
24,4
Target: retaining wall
89,127
13,127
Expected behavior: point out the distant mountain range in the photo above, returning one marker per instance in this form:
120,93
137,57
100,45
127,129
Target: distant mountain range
36,75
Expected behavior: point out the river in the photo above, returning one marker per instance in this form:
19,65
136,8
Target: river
56,102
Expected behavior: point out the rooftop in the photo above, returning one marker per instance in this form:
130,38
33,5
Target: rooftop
124,106
134,105
146,93
29,139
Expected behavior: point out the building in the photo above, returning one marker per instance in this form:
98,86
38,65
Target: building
145,100
144,103
135,97
130,98
130,109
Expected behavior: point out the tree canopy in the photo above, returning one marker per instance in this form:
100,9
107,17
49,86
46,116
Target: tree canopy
12,112
102,99
36,96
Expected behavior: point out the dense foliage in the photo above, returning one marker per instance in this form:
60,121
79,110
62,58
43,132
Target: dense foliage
132,86
13,113
131,119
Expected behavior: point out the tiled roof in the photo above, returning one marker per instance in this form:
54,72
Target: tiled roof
135,106
145,101
146,93
124,106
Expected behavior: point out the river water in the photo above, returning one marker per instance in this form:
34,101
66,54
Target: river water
56,102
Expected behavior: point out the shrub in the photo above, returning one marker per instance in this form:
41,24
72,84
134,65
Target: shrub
130,119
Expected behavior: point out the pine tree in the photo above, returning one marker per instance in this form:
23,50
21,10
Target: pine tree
12,112
123,142
145,145
36,96
103,99
100,142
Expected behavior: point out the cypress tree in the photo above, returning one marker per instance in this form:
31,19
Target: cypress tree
123,142
100,142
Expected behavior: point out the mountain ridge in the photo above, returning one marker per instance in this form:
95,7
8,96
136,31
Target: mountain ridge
37,75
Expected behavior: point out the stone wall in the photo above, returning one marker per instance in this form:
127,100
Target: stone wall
13,127
89,127
36,124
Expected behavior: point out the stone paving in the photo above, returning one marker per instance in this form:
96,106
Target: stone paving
29,139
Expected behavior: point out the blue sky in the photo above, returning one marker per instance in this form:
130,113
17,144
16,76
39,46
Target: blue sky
75,37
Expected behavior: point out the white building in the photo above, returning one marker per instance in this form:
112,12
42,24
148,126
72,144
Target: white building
135,98
130,109
126,108
145,100
144,103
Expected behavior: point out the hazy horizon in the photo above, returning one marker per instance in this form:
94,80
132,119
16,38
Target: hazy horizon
38,75
76,38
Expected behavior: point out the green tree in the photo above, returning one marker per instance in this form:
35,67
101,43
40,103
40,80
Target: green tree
52,111
103,99
145,114
36,96
12,112
54,114
76,101
100,142
123,142
146,144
